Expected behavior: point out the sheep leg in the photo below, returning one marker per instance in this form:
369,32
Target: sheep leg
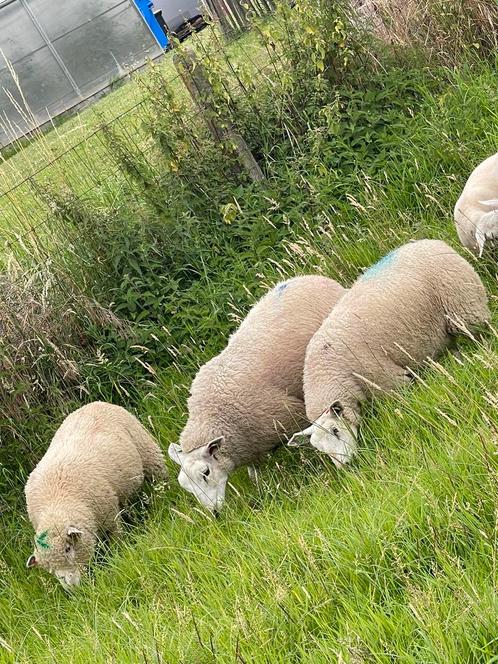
153,460
156,471
486,229
114,526
453,348
402,374
253,474
408,376
111,519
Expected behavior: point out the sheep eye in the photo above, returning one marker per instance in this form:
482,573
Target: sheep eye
68,548
335,432
205,473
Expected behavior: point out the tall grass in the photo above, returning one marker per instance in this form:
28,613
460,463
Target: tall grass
142,278
441,31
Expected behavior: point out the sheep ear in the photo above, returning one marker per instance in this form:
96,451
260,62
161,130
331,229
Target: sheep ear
301,437
336,409
492,203
31,562
213,446
74,532
174,453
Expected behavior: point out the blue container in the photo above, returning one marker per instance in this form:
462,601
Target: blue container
145,8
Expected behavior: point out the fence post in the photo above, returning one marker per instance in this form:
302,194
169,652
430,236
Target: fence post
219,16
196,80
232,15
237,14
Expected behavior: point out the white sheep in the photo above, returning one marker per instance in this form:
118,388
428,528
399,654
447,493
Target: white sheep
404,309
96,461
245,401
476,211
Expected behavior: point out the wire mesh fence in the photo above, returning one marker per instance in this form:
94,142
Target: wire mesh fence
88,166
44,211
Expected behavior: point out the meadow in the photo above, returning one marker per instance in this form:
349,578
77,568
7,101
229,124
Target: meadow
149,247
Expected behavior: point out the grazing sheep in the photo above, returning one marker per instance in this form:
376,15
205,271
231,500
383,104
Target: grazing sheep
97,459
476,211
403,310
244,401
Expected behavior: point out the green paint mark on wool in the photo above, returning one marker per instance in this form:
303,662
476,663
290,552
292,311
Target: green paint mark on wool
41,540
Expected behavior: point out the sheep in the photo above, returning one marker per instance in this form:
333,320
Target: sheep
97,459
401,311
476,211
246,400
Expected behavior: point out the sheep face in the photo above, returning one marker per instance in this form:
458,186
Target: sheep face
202,474
63,552
332,434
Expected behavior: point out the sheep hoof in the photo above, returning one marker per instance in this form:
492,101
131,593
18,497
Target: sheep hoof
486,232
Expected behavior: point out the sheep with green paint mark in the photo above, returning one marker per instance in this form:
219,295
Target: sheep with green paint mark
96,461
400,312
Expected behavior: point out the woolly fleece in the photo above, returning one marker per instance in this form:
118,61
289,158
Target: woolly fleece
96,461
252,392
400,312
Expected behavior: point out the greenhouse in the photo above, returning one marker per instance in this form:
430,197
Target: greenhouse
56,55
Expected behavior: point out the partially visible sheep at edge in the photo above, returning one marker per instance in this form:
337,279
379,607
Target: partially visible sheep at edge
476,211
400,312
247,400
97,460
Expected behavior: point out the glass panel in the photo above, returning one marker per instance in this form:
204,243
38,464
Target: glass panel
59,17
18,35
105,48
98,41
41,80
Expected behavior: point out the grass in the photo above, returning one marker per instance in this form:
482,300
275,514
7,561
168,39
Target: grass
391,560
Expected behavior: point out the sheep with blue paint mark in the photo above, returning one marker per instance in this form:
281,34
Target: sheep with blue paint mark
249,398
96,461
476,211
400,312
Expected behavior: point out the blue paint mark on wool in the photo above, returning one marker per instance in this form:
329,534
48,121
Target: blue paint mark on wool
379,266
282,287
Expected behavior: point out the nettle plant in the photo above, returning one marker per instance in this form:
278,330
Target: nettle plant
168,119
317,40
313,48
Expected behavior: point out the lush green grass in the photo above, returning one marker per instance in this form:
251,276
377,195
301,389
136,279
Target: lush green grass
393,559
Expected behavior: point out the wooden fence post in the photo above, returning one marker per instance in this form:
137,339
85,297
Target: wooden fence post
231,15
196,80
219,15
